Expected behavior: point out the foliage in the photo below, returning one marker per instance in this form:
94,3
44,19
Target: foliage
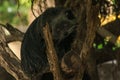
106,43
13,13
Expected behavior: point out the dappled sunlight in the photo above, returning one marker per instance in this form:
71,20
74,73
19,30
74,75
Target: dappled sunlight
108,19
110,32
15,47
118,41
119,16
112,38
107,38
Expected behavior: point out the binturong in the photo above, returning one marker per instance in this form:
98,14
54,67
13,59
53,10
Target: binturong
62,24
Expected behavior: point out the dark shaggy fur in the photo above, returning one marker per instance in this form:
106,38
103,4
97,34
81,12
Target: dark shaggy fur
33,50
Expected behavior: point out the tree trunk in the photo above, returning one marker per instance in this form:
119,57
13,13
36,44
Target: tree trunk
8,60
87,15
51,54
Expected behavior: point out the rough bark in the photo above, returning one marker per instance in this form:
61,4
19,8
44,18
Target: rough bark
15,34
92,24
51,54
8,60
87,15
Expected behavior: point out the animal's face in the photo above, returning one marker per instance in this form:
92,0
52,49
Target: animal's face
63,24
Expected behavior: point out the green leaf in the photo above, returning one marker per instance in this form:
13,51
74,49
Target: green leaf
100,46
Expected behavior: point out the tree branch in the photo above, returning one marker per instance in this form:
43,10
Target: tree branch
8,60
15,34
51,54
105,33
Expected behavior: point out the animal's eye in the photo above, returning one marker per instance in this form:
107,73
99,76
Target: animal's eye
69,14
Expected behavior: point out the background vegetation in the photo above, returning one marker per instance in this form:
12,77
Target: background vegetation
14,12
